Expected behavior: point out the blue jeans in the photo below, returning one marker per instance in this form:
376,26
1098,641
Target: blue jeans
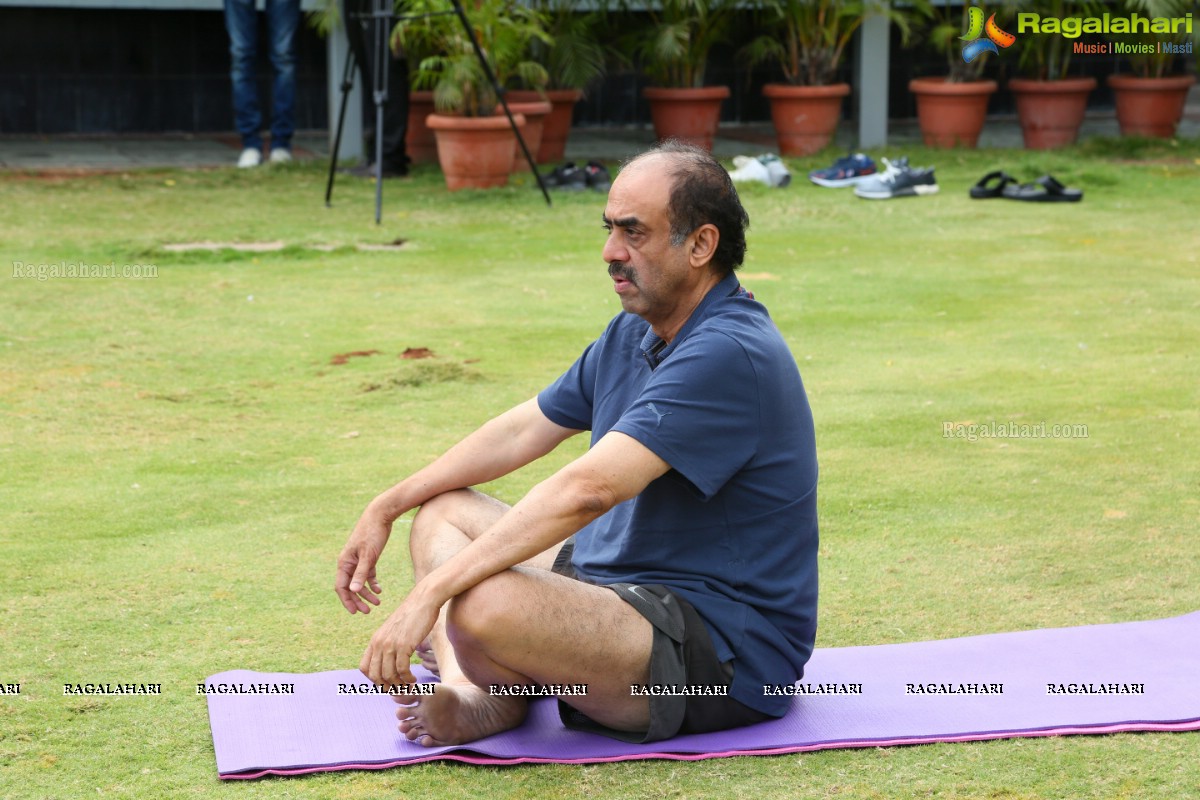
241,20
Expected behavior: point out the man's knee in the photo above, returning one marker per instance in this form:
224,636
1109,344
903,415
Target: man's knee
467,510
447,523
440,508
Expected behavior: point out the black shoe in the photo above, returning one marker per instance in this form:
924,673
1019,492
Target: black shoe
597,176
567,177
370,171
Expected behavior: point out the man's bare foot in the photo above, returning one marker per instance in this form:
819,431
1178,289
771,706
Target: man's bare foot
428,659
457,713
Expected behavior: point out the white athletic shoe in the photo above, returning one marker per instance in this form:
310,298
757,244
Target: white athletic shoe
250,157
750,169
776,169
281,155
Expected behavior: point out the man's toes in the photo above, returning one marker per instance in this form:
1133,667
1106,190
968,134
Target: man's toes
415,733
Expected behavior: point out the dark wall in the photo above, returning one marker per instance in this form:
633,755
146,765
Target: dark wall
66,70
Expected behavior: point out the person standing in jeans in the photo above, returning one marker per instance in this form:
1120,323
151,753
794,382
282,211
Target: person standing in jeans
241,20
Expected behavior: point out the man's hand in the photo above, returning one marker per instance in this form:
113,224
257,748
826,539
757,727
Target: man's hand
355,582
386,660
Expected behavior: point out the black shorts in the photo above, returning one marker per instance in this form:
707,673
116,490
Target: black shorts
681,654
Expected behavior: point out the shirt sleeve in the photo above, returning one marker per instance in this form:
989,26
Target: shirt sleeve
569,400
700,411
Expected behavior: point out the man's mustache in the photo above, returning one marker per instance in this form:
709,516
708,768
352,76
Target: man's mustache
619,269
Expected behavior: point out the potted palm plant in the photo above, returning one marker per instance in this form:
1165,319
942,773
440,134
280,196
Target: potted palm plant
951,110
808,48
673,51
1150,101
576,59
475,144
1051,103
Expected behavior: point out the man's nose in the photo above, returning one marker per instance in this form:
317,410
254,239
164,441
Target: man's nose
613,249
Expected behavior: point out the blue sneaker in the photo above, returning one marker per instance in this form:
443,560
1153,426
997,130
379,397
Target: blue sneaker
844,172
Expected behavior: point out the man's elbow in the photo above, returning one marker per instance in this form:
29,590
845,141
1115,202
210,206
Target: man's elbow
591,498
594,504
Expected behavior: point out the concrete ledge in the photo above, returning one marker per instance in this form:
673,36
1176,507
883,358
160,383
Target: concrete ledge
113,153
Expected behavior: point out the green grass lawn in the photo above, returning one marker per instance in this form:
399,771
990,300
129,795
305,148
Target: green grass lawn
182,461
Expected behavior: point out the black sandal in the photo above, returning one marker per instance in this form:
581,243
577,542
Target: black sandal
1044,190
992,185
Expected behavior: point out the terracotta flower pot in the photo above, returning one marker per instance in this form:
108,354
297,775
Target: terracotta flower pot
535,114
1150,106
690,115
556,127
951,114
805,117
1051,112
419,144
475,152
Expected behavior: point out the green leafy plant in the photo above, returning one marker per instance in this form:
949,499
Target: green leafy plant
577,56
1154,62
673,46
814,35
506,32
326,17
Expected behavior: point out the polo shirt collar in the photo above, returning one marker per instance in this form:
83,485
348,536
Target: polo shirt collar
655,350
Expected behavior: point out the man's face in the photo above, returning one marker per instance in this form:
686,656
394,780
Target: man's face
649,274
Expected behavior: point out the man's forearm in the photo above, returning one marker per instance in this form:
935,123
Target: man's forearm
551,512
617,469
498,447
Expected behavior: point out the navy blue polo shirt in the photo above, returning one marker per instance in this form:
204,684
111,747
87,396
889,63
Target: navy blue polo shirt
732,527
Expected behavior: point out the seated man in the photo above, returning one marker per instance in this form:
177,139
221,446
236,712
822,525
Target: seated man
688,577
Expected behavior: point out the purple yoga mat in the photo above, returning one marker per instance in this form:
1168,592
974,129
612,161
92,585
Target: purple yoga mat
1131,676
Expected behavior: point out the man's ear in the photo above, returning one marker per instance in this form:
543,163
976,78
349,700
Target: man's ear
704,242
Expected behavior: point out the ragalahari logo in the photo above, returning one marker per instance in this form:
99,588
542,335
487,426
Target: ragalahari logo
977,45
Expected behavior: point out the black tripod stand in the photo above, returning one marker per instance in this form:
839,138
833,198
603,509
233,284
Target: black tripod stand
381,16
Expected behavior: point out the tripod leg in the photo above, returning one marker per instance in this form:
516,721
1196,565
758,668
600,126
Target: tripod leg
347,83
487,69
378,162
383,51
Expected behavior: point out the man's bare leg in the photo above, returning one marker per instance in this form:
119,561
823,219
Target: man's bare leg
524,626
443,527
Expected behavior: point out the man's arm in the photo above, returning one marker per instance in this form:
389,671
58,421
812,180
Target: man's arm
502,445
616,469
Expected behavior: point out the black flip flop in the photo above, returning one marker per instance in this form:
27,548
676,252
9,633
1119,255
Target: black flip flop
992,185
1044,190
